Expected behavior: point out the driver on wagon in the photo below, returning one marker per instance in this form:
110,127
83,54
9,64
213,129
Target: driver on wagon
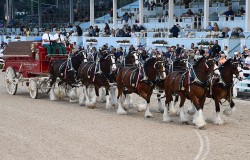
60,42
48,39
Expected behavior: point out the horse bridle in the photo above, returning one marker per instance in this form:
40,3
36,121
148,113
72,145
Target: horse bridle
160,73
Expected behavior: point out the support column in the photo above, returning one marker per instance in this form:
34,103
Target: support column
71,12
114,14
57,4
247,14
170,14
141,12
31,7
206,13
7,12
12,10
92,12
39,14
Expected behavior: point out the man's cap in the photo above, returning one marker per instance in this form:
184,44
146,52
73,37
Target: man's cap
47,29
58,29
235,53
245,49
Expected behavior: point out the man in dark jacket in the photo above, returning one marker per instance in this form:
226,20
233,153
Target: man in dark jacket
216,49
78,30
175,31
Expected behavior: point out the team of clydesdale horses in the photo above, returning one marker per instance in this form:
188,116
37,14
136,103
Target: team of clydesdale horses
134,74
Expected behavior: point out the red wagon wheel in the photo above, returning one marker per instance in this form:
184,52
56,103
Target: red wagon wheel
11,81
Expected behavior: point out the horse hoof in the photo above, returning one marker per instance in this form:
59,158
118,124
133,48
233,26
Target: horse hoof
122,112
167,120
190,112
227,112
185,123
108,106
203,128
92,106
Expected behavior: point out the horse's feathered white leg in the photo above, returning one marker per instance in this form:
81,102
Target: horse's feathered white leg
198,119
73,95
108,104
217,119
228,111
120,109
183,115
166,117
87,101
191,109
114,101
126,102
102,97
160,107
82,99
52,95
148,114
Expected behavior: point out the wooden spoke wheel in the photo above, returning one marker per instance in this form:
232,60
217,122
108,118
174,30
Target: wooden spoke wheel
45,86
33,88
11,81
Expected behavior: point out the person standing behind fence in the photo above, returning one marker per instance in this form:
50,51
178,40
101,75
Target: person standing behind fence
60,42
47,40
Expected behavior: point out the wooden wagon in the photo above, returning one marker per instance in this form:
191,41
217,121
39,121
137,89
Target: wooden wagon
27,62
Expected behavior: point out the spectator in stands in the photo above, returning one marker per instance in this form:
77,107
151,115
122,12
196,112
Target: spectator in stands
131,48
229,12
175,31
234,33
216,27
119,54
209,27
238,56
245,52
224,33
91,31
107,29
133,34
178,50
201,50
120,33
192,46
247,60
112,33
47,40
242,11
189,12
152,5
111,12
197,55
225,50
96,31
241,34
59,42
216,49
78,30
222,59
125,18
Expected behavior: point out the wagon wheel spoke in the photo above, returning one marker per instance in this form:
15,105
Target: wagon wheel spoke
11,81
33,88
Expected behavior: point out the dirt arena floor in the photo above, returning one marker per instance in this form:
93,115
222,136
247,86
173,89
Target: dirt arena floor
44,129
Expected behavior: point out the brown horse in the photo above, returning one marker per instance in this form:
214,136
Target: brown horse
96,74
129,81
66,72
177,65
192,84
222,87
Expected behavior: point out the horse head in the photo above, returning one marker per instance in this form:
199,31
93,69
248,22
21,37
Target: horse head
203,68
108,64
155,67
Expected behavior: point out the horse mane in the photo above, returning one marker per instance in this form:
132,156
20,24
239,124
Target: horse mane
150,60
